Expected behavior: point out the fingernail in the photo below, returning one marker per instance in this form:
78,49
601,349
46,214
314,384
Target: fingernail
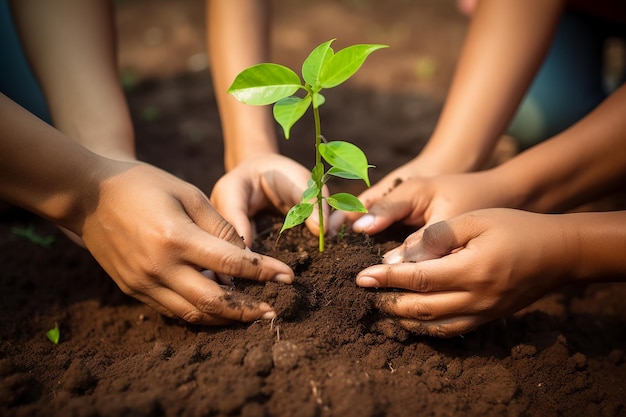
284,278
364,222
392,258
268,315
368,282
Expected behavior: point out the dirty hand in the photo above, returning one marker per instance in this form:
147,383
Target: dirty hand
472,269
423,201
269,180
154,234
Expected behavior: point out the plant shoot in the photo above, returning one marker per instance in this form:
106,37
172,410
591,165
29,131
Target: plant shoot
269,83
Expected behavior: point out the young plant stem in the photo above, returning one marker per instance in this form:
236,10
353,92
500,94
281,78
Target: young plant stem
318,160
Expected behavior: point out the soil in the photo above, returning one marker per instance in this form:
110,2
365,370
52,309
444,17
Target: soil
329,353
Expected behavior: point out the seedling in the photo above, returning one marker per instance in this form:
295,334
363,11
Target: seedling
30,234
276,84
54,334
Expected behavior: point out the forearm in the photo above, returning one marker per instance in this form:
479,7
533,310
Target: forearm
70,45
504,47
597,242
238,38
582,163
42,170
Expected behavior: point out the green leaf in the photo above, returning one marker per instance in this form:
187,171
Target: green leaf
347,158
313,64
297,215
318,100
342,174
346,202
264,84
288,111
317,172
345,63
54,334
310,192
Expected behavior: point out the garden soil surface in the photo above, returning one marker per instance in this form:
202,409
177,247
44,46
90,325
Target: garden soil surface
329,353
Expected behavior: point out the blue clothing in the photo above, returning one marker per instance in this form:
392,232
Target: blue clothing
571,81
16,79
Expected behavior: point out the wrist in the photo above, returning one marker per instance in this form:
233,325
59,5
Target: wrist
251,148
596,243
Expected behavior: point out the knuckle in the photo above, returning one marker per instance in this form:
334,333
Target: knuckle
420,311
225,231
193,316
211,304
420,281
232,264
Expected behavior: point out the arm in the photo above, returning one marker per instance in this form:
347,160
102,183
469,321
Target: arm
504,47
238,37
581,163
257,175
153,255
70,46
487,264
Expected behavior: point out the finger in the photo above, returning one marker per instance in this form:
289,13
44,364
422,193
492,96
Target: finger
209,300
431,242
372,195
398,205
336,221
428,276
426,307
441,328
206,251
230,198
202,213
220,279
172,305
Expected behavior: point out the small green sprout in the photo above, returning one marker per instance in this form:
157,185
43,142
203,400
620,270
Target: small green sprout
54,334
30,234
270,83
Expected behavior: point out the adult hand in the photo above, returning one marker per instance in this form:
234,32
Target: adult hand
269,180
472,269
377,192
423,201
154,234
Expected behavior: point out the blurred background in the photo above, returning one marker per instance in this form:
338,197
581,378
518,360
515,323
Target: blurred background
388,108
164,38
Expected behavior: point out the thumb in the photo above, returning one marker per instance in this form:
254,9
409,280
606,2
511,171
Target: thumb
435,241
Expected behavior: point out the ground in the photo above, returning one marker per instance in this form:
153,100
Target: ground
329,353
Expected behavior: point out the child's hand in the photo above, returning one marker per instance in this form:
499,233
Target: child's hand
471,269
269,180
154,234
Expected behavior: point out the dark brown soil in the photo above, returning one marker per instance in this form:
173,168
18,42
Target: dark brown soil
329,353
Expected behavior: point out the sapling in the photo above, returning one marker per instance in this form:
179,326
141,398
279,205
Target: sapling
276,84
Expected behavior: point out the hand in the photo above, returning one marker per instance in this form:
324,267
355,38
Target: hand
154,233
371,196
269,180
472,269
423,201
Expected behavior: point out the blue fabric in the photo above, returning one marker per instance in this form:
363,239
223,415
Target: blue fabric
570,83
16,79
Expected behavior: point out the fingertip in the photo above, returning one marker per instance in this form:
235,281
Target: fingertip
283,277
394,256
268,315
364,223
367,282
